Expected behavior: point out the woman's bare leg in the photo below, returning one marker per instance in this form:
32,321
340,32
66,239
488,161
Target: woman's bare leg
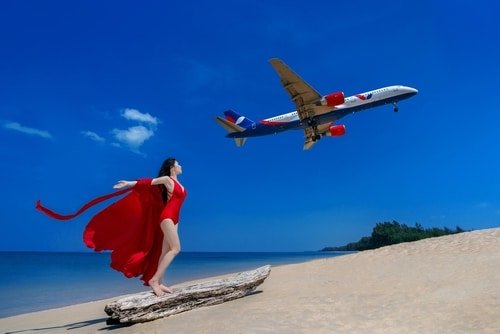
165,248
174,247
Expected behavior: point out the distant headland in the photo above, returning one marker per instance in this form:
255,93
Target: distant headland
391,233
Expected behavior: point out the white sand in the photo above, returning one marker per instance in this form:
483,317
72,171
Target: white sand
441,285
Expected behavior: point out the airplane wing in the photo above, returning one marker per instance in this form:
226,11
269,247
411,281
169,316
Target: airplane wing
305,98
302,94
309,134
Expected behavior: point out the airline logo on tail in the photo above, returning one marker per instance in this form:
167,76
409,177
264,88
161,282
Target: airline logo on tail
237,119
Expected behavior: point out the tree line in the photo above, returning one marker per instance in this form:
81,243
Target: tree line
391,233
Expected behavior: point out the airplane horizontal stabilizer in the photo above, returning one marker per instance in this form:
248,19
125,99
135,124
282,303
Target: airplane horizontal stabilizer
240,141
229,126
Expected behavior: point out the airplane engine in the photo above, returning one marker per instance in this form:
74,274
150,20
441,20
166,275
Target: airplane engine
336,130
333,99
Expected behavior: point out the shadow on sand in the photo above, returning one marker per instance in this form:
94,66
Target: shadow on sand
75,325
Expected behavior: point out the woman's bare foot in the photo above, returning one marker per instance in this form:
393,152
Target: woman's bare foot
156,288
165,288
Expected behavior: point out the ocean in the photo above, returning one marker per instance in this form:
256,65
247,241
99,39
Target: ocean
35,281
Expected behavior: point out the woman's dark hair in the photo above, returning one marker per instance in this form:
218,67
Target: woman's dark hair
166,166
165,171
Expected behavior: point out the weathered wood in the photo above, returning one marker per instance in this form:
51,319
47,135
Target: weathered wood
147,306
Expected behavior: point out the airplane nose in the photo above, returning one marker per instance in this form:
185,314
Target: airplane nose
411,90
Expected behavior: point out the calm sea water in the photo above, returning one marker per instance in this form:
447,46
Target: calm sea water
37,281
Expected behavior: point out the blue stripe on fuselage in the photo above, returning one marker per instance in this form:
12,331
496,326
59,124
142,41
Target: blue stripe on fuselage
259,129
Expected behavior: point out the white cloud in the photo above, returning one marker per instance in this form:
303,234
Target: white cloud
94,136
134,137
24,129
136,115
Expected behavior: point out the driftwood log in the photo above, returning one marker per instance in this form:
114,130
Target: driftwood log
147,306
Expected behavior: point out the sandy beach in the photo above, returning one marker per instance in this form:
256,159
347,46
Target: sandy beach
449,284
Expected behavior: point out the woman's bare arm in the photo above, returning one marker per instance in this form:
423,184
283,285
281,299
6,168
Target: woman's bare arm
124,184
166,180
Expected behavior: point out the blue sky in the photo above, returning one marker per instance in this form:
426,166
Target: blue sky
93,92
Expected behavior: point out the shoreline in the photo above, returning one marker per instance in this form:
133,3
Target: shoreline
438,285
59,279
104,301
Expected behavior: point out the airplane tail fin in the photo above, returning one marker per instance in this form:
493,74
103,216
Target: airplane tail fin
235,118
231,124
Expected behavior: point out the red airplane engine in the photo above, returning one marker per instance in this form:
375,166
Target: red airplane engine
333,99
337,130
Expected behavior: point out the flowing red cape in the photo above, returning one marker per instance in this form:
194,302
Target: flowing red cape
130,228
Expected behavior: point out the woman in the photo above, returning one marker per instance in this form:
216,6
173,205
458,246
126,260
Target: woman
173,193
141,228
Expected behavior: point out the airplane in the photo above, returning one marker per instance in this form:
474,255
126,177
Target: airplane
316,114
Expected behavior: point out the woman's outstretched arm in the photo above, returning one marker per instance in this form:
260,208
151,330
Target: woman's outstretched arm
124,184
166,180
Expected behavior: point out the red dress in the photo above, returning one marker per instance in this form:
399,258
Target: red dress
130,227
